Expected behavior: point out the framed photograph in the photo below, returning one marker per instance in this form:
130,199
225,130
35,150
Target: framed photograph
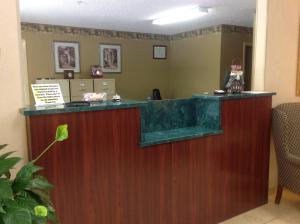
96,71
66,56
110,58
159,52
68,74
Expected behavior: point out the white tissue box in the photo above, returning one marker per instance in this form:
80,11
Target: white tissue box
95,96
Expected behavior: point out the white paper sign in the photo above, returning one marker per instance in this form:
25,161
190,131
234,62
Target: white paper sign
47,94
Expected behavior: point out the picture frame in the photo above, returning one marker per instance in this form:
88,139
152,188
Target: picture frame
160,52
96,71
110,58
68,74
66,56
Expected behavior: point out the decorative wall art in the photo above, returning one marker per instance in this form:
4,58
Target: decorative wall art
66,56
96,71
159,52
68,74
110,58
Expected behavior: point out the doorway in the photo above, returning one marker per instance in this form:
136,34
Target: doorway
247,64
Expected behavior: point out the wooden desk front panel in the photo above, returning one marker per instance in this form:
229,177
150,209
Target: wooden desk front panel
102,176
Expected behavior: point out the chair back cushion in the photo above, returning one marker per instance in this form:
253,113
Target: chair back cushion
286,127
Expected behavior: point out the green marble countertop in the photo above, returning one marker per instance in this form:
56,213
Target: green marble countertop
179,134
245,94
108,105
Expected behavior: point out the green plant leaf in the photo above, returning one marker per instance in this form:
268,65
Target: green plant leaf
50,208
61,133
2,210
43,196
24,176
17,216
5,189
3,146
52,217
7,164
7,175
5,155
26,202
39,220
39,182
40,211
37,200
10,203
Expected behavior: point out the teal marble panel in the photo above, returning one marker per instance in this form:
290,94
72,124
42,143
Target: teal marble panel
208,113
246,94
173,120
168,114
179,134
171,114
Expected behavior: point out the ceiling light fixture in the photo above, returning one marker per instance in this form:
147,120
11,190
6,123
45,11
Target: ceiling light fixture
79,2
181,15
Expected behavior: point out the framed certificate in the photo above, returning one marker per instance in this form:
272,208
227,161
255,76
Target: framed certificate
159,52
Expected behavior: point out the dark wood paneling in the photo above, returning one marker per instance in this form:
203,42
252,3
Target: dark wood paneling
101,175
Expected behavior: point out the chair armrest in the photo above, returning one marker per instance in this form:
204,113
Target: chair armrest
295,160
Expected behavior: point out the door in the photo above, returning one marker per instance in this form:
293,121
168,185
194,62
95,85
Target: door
24,74
247,62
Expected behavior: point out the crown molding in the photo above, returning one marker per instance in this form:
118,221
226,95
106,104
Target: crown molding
55,29
223,28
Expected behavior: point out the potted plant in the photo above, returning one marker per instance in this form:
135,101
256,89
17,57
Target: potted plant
25,199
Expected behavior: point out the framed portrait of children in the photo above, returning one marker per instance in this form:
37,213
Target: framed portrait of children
96,71
110,58
66,56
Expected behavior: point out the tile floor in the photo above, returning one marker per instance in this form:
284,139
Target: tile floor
288,212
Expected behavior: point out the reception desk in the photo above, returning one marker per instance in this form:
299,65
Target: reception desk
190,161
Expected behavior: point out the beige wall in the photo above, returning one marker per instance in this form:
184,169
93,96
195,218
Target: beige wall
282,49
12,129
281,57
140,73
259,44
232,47
195,65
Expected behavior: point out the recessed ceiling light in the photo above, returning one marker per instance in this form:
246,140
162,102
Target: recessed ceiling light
180,15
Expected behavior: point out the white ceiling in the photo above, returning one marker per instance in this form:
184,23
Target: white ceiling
134,15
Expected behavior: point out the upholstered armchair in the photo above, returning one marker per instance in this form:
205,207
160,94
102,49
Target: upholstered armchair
286,133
